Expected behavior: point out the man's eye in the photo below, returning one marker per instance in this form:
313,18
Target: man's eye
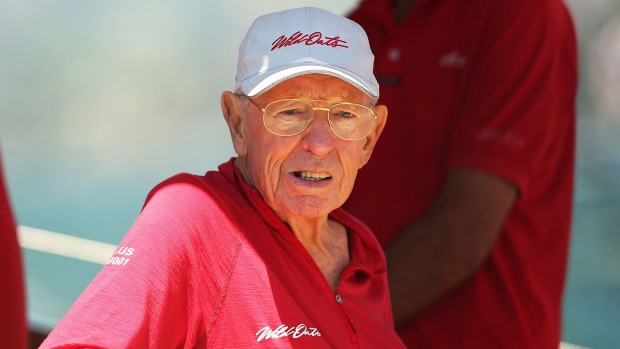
344,114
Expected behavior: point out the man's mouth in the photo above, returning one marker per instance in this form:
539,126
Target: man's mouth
312,176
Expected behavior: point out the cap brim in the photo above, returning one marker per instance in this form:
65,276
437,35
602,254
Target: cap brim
257,84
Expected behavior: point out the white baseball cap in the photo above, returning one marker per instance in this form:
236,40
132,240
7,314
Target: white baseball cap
307,40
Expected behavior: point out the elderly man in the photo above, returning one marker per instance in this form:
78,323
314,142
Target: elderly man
258,254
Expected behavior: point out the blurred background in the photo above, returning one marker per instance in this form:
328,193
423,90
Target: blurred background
101,100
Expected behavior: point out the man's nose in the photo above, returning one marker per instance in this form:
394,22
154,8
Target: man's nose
319,138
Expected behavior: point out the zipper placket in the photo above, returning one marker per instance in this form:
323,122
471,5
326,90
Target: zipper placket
345,315
337,297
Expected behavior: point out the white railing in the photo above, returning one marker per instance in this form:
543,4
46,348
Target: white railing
64,245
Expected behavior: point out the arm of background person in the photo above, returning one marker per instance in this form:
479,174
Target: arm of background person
443,248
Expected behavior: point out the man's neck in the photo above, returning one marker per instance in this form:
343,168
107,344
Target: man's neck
329,248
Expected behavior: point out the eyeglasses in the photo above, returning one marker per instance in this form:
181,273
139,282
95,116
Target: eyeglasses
288,117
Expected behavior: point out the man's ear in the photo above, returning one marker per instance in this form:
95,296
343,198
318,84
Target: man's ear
373,137
232,108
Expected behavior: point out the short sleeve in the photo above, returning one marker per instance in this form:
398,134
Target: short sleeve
150,294
520,93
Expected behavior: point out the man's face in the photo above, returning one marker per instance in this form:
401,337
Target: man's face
310,174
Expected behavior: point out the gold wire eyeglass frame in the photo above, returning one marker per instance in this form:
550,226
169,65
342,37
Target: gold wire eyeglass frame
374,113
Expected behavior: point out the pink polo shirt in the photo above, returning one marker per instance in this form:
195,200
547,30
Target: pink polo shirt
208,264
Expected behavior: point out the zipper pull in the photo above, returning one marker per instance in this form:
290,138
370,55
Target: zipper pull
339,299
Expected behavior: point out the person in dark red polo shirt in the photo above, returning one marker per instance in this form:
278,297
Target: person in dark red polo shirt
13,326
470,189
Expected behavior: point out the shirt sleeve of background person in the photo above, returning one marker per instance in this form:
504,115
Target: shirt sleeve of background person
13,329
